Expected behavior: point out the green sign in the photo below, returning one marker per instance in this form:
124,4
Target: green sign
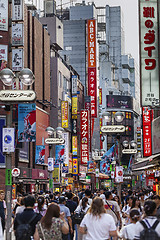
50,183
8,177
133,182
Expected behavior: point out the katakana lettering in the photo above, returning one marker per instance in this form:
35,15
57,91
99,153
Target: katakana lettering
150,37
151,64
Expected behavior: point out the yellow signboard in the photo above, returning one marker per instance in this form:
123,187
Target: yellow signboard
74,105
64,114
56,174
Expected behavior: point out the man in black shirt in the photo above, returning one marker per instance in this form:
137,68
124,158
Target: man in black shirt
2,209
28,214
72,207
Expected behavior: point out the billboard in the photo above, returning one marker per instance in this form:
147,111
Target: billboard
92,73
17,34
117,101
17,59
156,136
147,138
17,10
3,56
3,15
40,154
84,118
149,53
59,156
64,114
27,122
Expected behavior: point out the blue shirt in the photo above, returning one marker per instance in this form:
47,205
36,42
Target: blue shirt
66,211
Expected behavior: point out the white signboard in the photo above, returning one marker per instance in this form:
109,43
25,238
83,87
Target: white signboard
50,164
156,136
17,10
3,15
119,174
113,129
65,136
112,174
17,95
129,151
54,141
17,59
15,172
149,52
8,139
17,34
74,84
3,56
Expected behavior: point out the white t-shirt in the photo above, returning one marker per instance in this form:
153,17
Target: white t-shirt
128,232
98,228
151,220
126,209
114,206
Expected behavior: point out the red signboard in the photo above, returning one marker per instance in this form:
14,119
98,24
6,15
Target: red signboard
84,136
39,174
147,137
92,75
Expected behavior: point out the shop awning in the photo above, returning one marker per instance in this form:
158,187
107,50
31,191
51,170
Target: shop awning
143,168
103,176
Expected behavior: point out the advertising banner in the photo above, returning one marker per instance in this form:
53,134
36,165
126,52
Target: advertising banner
17,10
3,15
156,136
65,169
60,149
8,139
117,101
3,56
74,84
149,52
64,114
70,163
74,145
2,157
119,174
74,126
84,118
27,122
17,59
92,74
90,167
17,34
65,136
40,154
75,165
74,107
105,167
56,175
50,164
147,138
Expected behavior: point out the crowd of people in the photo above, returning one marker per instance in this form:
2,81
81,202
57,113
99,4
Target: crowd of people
85,215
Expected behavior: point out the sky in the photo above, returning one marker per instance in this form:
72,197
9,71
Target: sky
130,11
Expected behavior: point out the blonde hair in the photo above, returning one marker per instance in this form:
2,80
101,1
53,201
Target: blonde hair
97,207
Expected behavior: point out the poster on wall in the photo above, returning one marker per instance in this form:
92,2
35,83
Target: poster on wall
3,56
2,157
40,154
3,15
17,10
17,34
59,156
8,139
17,59
27,122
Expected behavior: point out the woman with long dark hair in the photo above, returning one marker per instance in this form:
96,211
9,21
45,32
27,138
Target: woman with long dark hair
136,204
97,224
40,206
52,225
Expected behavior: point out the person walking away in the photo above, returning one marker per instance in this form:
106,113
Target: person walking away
82,208
88,195
126,210
20,208
112,208
72,206
63,208
25,222
2,208
156,198
97,224
40,208
128,232
149,227
52,225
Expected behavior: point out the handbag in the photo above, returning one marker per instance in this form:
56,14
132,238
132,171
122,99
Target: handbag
77,217
42,231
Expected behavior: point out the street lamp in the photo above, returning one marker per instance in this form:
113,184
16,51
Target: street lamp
129,147
8,78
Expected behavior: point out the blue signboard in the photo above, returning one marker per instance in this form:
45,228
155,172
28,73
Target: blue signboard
59,153
40,154
2,157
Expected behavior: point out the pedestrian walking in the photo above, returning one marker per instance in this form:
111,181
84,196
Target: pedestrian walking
52,225
41,208
2,208
97,224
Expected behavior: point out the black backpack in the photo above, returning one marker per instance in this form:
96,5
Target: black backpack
149,233
24,230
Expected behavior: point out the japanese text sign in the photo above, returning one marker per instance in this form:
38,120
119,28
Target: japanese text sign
3,15
75,165
149,52
147,138
17,10
84,136
92,90
64,114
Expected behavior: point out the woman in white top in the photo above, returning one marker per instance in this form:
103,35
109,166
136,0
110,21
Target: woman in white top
97,224
128,232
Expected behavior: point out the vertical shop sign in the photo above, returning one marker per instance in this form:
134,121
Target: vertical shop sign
17,59
92,75
17,34
70,163
75,165
100,96
3,56
100,125
74,145
84,136
119,174
149,52
4,15
65,136
64,114
17,10
74,107
74,84
147,138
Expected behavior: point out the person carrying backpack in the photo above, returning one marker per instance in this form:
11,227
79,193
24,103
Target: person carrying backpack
25,222
149,227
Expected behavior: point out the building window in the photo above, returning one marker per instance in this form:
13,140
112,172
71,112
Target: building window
60,79
110,92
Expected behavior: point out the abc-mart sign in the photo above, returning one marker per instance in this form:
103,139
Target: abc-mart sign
113,129
17,95
54,141
129,151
